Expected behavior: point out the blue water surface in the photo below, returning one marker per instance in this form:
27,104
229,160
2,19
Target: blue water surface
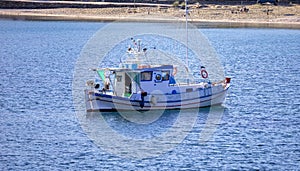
259,128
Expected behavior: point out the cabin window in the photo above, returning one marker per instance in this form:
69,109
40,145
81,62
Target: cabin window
146,76
165,75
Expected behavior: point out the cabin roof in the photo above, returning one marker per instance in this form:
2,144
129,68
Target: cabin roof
158,68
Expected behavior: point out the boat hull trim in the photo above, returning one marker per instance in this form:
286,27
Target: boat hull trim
99,101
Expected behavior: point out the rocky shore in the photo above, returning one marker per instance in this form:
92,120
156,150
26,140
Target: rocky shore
210,15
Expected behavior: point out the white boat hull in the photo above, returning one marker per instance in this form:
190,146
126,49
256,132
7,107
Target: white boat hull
96,101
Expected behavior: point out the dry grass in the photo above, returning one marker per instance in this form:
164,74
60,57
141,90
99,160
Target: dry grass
254,13
211,12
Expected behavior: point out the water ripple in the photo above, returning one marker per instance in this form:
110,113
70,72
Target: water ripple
259,129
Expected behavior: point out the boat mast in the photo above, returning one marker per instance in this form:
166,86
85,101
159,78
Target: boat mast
187,33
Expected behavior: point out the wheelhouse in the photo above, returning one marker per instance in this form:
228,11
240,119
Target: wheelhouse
126,82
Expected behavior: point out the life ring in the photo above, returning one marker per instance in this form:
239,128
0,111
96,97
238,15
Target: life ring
174,71
158,77
204,74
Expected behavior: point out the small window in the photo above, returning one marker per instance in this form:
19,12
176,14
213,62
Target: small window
189,90
119,78
158,77
166,75
146,76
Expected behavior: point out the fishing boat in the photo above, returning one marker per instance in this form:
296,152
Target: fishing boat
138,84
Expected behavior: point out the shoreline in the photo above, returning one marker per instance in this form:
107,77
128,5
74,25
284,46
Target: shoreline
197,23
210,16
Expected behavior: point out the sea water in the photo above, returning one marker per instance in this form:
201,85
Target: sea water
257,127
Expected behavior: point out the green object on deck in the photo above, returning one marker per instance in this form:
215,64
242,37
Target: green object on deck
127,94
101,74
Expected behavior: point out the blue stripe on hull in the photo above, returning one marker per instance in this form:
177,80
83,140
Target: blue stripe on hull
169,101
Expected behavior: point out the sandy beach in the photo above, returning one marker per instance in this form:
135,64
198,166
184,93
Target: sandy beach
210,15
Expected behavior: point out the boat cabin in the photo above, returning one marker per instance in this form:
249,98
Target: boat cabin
129,81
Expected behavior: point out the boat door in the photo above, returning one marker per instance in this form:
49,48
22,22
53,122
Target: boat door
128,86
123,84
